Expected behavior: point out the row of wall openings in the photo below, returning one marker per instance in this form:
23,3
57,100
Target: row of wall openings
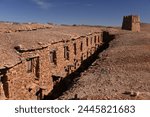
98,39
87,41
81,46
94,39
53,57
91,40
33,66
75,48
66,52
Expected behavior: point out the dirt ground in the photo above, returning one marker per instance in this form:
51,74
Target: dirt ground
122,71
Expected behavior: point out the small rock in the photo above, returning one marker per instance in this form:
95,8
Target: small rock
134,94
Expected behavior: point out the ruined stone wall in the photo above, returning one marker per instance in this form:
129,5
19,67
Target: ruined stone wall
35,76
30,79
77,50
131,23
19,81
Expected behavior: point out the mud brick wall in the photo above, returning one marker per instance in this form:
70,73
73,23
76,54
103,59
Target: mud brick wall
34,76
20,81
78,51
24,84
131,23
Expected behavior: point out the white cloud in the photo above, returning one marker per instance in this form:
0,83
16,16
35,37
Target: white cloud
44,4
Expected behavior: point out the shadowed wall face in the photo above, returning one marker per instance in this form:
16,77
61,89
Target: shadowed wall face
131,23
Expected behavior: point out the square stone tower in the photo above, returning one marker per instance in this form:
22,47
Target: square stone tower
131,22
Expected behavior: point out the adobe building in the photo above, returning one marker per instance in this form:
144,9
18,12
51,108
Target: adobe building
33,62
131,22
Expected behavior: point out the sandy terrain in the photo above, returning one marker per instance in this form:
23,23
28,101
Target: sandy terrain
122,71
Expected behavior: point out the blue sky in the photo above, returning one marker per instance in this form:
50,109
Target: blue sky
93,12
